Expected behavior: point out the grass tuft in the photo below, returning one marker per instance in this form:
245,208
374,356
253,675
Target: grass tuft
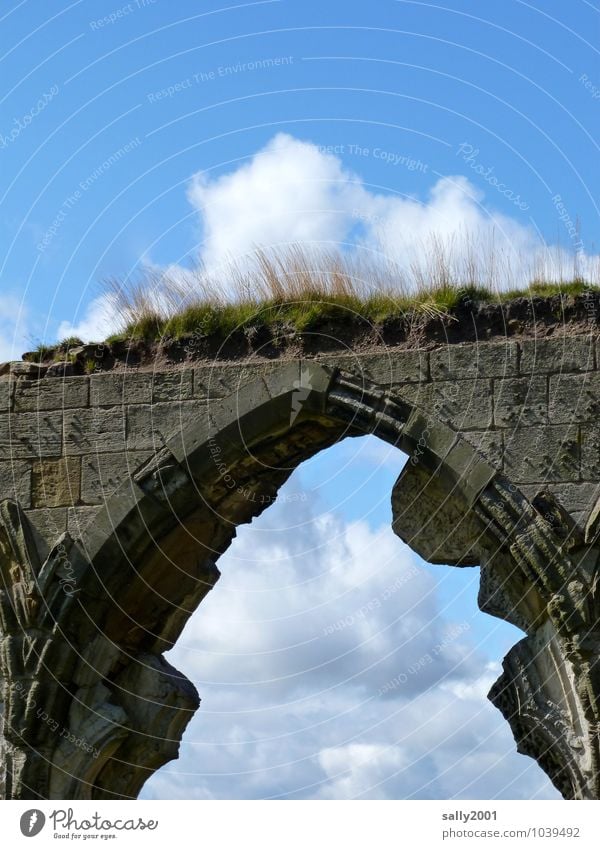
299,290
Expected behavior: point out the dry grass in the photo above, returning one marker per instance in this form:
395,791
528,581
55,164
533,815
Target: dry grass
299,287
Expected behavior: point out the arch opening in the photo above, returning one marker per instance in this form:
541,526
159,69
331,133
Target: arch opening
333,662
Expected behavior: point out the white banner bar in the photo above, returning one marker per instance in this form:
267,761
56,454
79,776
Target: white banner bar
301,824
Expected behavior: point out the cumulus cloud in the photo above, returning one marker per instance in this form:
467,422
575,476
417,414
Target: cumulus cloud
329,669
292,191
288,192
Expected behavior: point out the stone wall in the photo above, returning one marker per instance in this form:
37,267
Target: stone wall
115,505
531,407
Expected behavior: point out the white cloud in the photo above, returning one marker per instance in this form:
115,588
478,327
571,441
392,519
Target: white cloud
356,766
288,192
100,319
291,191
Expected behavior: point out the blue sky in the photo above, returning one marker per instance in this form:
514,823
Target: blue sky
155,134
517,83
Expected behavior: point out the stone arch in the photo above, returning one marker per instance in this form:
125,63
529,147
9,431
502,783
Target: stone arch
96,616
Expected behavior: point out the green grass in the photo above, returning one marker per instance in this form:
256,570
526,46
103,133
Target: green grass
300,289
315,309
70,342
40,354
295,290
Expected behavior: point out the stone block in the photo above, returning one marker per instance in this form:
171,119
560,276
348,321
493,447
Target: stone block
47,524
15,482
120,388
56,483
102,474
466,362
542,454
590,452
390,368
5,394
218,381
520,401
96,430
431,516
31,435
471,471
244,402
61,369
46,394
173,385
558,354
25,370
574,398
425,440
149,426
489,444
463,404
79,518
289,377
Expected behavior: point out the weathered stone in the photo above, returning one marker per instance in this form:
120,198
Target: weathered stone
244,401
462,404
56,483
102,474
48,524
113,389
520,401
63,369
78,519
391,368
5,395
25,435
424,439
574,398
489,444
95,430
560,354
218,381
49,395
31,371
172,385
15,482
468,362
592,524
590,452
542,454
441,530
472,472
576,498
150,425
